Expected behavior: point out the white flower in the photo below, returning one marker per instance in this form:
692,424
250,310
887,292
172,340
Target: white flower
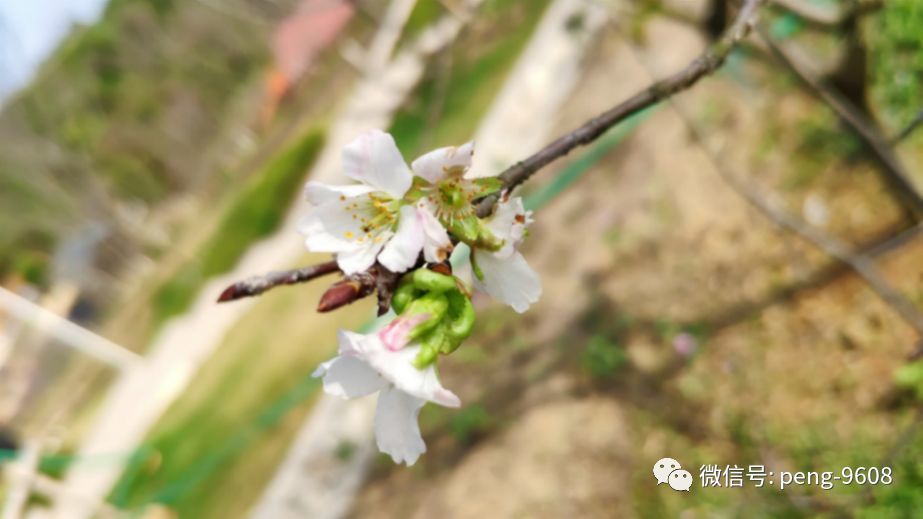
505,274
381,362
450,188
364,222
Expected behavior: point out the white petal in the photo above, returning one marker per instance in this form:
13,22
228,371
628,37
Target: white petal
508,223
317,239
437,245
396,430
402,251
510,280
362,257
374,159
347,376
334,226
434,165
318,193
397,368
461,266
350,343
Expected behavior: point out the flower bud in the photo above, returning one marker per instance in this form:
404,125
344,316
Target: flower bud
429,281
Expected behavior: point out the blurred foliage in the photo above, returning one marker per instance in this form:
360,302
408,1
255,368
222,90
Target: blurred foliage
114,112
255,212
221,441
32,267
910,376
822,142
603,358
470,422
448,104
896,59
122,111
423,14
903,498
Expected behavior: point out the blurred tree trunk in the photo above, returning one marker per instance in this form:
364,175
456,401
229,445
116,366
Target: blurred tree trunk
851,75
717,19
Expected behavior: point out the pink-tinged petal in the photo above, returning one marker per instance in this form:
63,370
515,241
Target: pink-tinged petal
437,245
434,165
395,334
402,251
317,193
373,159
362,257
397,368
348,377
510,280
397,433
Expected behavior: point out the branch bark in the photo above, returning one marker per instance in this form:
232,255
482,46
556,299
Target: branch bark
707,63
256,285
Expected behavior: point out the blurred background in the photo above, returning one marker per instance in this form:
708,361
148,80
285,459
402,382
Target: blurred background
154,151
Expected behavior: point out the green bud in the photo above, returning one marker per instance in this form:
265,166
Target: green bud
465,229
488,240
461,316
405,293
434,304
429,281
472,231
426,356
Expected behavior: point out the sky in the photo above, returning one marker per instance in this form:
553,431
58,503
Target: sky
31,29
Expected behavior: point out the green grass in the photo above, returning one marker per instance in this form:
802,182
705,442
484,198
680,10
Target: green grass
896,60
255,212
424,13
220,442
480,63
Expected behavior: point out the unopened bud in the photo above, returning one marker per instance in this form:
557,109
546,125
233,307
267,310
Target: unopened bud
341,294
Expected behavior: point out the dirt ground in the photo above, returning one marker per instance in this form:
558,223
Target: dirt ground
652,255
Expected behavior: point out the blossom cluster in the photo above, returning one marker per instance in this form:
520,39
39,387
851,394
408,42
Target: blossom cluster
409,220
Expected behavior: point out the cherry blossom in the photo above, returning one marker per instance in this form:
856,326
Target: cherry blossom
369,364
504,273
368,221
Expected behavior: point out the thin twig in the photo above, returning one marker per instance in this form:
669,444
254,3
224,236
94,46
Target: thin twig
705,64
808,281
894,171
256,285
862,264
909,129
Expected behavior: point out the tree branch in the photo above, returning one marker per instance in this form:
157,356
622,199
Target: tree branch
256,285
705,64
890,165
861,264
909,129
